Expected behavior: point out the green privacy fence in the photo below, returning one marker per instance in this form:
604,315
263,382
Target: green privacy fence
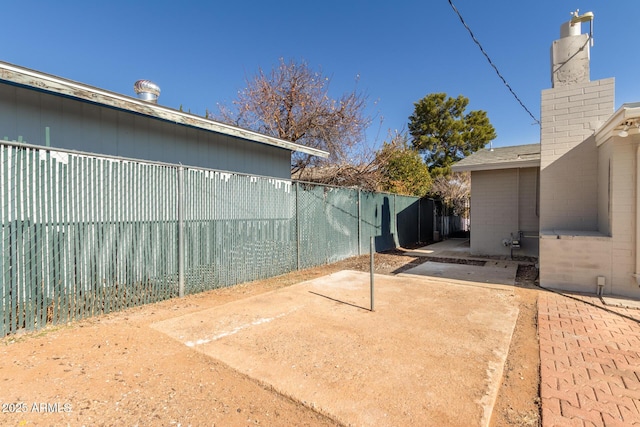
84,235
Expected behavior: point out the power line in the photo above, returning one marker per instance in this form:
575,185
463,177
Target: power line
455,9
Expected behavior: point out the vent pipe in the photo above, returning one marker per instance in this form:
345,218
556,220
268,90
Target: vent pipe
147,90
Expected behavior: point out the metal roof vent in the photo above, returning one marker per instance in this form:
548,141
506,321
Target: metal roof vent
147,90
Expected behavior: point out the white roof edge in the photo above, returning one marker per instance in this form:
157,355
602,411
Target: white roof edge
26,77
621,115
494,166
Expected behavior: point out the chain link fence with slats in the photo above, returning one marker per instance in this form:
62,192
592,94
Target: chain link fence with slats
83,235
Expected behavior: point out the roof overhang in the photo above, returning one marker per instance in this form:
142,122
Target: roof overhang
625,118
516,164
510,157
56,85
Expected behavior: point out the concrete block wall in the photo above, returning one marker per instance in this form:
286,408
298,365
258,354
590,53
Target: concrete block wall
605,170
569,159
494,210
528,209
573,262
576,245
497,207
623,216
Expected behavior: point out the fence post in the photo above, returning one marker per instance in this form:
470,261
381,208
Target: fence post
372,251
419,235
180,231
297,226
359,225
396,237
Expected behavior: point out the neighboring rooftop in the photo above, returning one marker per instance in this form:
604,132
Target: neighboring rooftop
36,80
517,156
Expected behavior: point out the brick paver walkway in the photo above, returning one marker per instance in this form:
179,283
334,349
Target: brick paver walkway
589,362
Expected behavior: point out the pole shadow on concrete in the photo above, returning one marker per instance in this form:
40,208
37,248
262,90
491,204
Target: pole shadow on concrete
372,252
340,301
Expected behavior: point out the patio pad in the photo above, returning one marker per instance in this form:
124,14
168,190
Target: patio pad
492,272
430,354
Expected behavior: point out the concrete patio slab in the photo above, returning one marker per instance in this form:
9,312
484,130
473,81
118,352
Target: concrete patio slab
430,354
493,272
450,247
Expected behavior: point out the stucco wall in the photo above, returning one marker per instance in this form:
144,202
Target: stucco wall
503,202
83,126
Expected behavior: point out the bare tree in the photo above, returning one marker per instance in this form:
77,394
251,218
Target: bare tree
454,190
292,102
396,167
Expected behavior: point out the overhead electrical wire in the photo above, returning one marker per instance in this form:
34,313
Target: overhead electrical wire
455,9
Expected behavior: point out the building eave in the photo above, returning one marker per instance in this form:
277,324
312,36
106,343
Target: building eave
516,164
509,157
59,86
615,123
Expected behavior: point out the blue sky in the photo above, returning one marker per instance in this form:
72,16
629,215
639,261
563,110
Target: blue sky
199,52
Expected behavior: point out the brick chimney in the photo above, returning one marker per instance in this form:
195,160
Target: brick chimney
571,111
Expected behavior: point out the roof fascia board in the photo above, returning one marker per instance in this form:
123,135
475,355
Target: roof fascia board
57,85
495,166
604,132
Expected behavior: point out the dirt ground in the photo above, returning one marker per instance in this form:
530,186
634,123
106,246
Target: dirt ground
125,373
518,402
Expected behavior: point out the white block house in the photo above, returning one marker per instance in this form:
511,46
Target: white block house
586,190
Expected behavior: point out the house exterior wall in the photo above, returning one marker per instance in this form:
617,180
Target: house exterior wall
503,202
573,251
83,126
573,261
568,157
605,170
624,169
528,208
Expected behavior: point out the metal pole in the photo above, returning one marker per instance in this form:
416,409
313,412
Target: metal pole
419,235
372,250
297,226
359,223
396,238
180,231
